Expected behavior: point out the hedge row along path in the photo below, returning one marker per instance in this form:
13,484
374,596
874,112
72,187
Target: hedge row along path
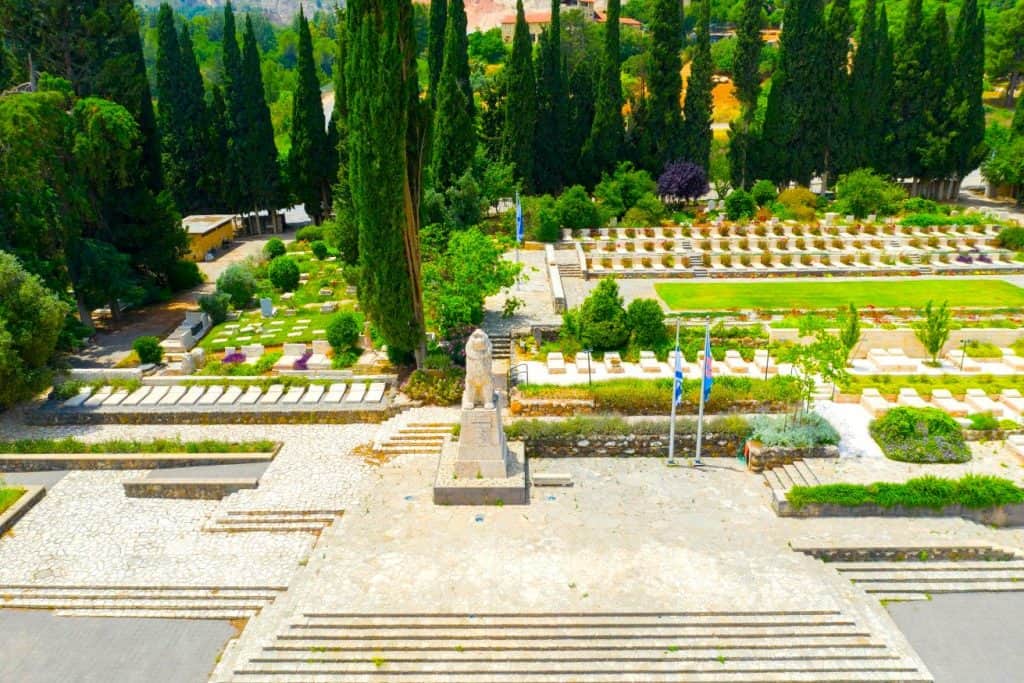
980,293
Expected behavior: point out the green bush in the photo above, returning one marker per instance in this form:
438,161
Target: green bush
546,227
601,321
239,283
284,273
983,422
436,387
863,191
763,192
921,205
310,233
274,248
1011,238
648,210
797,202
319,249
148,349
982,350
739,204
184,275
972,491
804,431
343,331
575,210
647,323
216,306
606,425
922,435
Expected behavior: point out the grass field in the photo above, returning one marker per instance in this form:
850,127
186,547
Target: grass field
9,496
682,296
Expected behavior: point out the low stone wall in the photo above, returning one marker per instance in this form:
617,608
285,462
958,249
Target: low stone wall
558,407
760,458
187,489
97,374
32,495
716,445
50,417
911,554
50,462
1001,516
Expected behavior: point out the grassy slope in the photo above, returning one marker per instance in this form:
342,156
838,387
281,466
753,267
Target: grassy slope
9,497
818,294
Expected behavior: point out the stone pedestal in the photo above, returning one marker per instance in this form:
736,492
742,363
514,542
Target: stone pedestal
482,450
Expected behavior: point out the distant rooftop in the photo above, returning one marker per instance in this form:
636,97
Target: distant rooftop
200,225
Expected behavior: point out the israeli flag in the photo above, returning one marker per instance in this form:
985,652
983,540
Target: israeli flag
677,387
519,220
706,379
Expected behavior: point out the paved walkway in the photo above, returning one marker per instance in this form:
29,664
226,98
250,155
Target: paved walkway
40,647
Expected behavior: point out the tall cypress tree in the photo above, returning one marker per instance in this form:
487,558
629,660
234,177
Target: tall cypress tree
881,129
579,120
747,80
662,137
455,112
863,105
520,102
549,146
196,125
794,120
308,159
171,91
836,141
436,29
937,153
697,108
344,233
606,135
260,151
237,185
909,95
969,68
217,167
1018,117
382,93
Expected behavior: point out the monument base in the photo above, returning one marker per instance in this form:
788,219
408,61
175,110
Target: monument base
451,488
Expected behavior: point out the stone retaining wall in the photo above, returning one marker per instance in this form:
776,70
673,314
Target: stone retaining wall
32,495
1002,516
911,554
762,458
547,407
49,417
50,462
187,489
716,445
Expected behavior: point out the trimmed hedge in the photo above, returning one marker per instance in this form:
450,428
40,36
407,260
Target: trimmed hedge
125,446
972,491
583,427
645,396
922,435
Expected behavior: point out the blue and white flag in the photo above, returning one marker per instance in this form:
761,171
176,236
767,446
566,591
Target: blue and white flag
519,220
706,379
677,387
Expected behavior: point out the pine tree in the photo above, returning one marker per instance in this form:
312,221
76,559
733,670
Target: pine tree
836,108
455,112
549,144
260,152
794,120
308,157
697,108
520,102
606,135
969,68
384,135
436,29
662,130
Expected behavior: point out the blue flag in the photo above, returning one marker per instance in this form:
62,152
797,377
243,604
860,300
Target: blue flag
706,379
519,220
677,387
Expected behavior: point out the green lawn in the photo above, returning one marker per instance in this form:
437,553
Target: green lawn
9,497
712,296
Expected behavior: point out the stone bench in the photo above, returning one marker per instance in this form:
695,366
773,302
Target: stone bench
551,479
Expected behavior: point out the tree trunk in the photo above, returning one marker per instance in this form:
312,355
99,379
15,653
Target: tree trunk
84,314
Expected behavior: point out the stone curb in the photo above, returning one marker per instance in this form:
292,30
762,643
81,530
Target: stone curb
44,462
32,495
188,489
1001,516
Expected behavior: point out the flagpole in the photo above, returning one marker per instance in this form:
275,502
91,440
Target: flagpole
703,381
672,420
519,234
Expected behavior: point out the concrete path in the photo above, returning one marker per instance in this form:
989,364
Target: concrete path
239,471
968,637
42,648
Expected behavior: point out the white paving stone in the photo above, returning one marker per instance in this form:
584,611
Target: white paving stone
851,421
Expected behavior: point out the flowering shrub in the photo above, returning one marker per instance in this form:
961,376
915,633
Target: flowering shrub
235,357
301,363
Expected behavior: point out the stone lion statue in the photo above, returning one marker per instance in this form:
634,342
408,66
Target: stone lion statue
479,380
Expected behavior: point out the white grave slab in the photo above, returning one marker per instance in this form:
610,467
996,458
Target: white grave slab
101,395
272,395
356,393
293,396
230,395
313,394
191,396
251,395
211,396
116,398
335,394
136,396
375,394
78,399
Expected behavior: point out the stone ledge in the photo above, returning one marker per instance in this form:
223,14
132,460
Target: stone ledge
51,417
32,495
45,462
188,489
1001,516
512,490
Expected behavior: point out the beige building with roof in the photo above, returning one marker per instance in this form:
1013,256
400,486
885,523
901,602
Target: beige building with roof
208,233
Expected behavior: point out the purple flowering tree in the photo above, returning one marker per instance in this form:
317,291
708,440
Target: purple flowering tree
682,181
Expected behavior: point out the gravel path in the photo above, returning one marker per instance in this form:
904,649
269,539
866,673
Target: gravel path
851,421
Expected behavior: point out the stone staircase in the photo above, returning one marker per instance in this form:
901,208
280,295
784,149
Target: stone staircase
685,244
782,479
695,260
501,344
417,438
570,270
928,571
273,521
562,647
169,602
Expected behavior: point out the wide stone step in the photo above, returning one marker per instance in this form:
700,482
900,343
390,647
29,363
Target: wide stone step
899,597
584,620
11,594
646,677
463,654
130,604
218,614
268,528
568,632
943,566
950,587
277,519
212,590
937,576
